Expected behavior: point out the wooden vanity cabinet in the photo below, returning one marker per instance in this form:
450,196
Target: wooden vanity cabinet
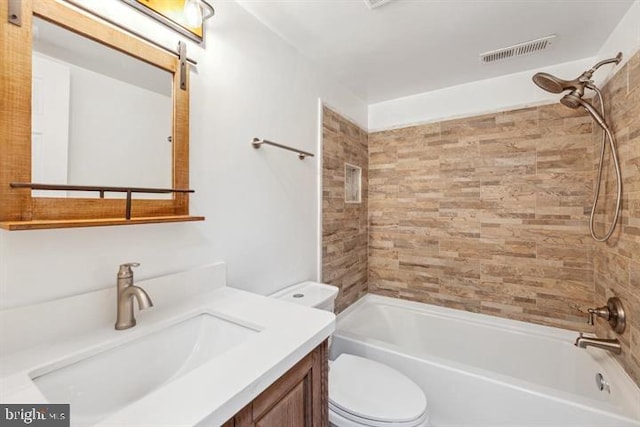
297,399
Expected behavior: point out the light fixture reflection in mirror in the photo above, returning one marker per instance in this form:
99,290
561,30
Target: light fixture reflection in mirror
99,116
193,12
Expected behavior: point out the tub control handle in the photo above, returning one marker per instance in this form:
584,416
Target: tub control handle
613,312
598,312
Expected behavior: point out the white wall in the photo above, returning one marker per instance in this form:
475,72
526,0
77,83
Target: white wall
625,38
505,92
261,205
471,99
116,130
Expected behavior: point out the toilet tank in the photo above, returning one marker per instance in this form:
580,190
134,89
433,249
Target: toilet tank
311,294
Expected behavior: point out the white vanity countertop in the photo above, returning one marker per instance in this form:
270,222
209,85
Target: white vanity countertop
209,394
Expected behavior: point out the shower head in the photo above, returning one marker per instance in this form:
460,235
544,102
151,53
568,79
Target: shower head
574,99
571,100
549,82
553,84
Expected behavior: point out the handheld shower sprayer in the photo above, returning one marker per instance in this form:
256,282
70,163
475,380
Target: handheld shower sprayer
574,99
553,84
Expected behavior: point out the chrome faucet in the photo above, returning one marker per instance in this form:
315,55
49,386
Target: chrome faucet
612,345
126,292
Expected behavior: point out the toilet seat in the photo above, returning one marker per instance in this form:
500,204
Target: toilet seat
368,393
340,418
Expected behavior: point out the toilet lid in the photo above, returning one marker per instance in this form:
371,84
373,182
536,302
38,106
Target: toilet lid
374,391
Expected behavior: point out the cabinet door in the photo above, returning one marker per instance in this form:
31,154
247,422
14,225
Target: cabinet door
297,399
289,411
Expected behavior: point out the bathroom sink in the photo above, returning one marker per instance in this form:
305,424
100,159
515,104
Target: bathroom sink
101,384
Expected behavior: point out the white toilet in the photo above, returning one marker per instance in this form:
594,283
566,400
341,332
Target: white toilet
362,392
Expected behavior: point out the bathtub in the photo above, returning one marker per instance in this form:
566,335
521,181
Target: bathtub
479,370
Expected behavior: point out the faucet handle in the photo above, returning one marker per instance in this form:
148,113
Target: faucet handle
613,312
598,312
125,269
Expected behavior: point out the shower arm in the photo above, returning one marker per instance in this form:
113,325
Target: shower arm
586,76
617,60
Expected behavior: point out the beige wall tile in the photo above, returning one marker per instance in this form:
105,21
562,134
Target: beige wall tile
490,214
616,263
344,225
504,230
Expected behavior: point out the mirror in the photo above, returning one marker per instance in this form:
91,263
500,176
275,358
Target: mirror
99,117
121,97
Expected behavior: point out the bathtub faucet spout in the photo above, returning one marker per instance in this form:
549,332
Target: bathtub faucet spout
606,344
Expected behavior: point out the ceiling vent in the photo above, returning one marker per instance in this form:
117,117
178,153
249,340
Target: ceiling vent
372,4
519,49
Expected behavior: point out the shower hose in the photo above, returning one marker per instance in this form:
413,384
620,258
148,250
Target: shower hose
606,135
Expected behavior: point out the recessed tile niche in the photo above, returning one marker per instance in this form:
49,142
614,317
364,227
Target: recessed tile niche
352,183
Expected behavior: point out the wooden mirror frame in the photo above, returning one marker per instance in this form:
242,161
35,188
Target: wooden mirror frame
18,209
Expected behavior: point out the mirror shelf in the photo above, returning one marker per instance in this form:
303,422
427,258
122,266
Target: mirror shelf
101,190
100,222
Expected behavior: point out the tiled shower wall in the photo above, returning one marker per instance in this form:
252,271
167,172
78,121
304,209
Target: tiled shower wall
617,262
344,225
486,214
490,214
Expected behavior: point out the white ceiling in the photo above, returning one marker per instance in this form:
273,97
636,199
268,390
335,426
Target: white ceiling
411,46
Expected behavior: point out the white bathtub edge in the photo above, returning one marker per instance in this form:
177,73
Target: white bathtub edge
626,389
